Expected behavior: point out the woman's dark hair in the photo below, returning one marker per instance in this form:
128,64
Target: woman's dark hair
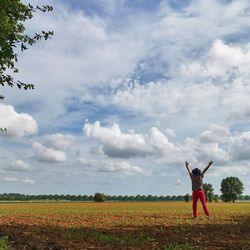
196,171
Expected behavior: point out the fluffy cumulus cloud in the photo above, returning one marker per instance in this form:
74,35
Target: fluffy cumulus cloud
164,151
201,148
215,134
221,60
53,147
192,149
45,154
216,143
17,124
206,151
114,142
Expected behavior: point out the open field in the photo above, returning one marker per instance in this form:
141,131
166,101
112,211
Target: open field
155,225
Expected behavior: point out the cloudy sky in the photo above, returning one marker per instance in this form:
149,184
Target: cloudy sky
125,92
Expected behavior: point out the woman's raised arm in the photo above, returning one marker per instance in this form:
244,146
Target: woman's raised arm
187,163
207,167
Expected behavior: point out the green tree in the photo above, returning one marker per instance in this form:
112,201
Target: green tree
187,198
149,197
161,198
13,15
247,197
85,197
138,197
91,198
179,198
231,188
173,198
216,197
209,191
99,197
167,198
132,198
125,198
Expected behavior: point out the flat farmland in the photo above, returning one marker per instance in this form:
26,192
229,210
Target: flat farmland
128,225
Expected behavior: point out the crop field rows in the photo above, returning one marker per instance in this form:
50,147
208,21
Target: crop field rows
128,225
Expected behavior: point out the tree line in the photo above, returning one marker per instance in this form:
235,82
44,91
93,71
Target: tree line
69,197
103,197
231,189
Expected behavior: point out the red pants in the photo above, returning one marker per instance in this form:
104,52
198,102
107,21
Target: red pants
195,196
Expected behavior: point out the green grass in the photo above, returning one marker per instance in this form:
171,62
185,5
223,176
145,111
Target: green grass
4,242
176,246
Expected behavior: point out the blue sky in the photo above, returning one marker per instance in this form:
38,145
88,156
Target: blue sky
126,91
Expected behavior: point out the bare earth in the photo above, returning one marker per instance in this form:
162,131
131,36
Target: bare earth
155,225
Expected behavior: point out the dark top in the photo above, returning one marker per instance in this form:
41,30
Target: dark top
197,181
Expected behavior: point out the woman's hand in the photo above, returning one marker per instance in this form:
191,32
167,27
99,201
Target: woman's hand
210,163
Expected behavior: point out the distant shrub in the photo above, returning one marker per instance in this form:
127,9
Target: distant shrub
187,198
99,197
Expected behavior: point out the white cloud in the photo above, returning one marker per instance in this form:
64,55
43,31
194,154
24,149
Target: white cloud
114,142
59,141
165,152
19,165
10,179
160,149
29,181
215,134
230,170
43,153
222,59
17,125
207,145
166,100
84,52
14,179
158,139
87,163
170,132
190,103
239,146
122,166
212,151
111,166
179,182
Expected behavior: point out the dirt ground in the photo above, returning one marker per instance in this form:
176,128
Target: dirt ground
124,229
